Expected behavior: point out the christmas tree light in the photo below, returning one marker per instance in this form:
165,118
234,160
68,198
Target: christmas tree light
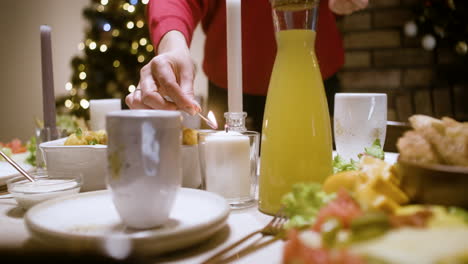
441,23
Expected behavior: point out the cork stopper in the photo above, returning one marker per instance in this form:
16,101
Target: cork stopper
293,4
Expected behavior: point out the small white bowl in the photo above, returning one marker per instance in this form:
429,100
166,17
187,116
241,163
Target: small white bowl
28,194
88,160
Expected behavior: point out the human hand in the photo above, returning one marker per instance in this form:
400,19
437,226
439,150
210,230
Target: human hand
346,7
168,75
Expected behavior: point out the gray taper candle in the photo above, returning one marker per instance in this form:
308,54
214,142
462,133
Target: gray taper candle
48,98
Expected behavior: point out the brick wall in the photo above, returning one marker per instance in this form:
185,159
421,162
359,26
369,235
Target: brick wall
380,58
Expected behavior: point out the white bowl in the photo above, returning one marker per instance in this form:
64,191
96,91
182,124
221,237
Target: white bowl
88,160
28,194
91,162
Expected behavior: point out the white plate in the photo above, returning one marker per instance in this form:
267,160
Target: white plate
7,171
89,221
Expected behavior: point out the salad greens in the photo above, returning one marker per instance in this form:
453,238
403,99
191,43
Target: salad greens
303,203
339,164
68,123
79,132
375,150
457,211
32,147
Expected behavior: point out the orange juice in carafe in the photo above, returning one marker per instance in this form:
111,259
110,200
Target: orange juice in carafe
296,139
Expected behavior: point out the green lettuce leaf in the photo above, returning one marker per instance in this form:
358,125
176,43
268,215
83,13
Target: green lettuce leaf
79,133
375,150
31,146
67,123
459,212
339,164
303,203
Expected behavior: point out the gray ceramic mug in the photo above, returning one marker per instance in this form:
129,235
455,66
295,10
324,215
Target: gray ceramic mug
144,164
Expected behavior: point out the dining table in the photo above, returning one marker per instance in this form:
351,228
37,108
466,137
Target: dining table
15,236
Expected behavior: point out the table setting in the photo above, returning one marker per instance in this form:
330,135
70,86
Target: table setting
139,186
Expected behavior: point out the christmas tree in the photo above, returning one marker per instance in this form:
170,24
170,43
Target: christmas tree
115,47
442,26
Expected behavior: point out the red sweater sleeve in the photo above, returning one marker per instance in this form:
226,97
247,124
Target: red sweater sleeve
180,15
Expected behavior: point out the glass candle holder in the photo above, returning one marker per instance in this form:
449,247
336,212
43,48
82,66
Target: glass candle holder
228,163
235,121
46,134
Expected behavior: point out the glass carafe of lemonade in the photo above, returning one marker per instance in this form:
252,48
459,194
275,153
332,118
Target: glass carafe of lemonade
296,140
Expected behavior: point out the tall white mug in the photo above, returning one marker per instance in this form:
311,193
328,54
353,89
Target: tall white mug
359,119
144,164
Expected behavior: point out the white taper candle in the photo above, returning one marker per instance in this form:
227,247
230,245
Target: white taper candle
98,110
234,54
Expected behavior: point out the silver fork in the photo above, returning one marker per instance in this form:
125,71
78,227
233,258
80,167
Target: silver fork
275,229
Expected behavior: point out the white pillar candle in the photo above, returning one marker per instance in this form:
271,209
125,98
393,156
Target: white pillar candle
98,110
234,54
227,160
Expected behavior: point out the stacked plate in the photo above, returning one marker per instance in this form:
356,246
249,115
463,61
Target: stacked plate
89,221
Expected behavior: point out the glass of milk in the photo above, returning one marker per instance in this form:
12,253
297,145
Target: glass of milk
359,119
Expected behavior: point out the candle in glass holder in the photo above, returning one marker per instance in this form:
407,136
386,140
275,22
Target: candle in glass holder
227,164
98,110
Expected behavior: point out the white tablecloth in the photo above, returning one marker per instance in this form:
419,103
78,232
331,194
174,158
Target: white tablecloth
13,234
